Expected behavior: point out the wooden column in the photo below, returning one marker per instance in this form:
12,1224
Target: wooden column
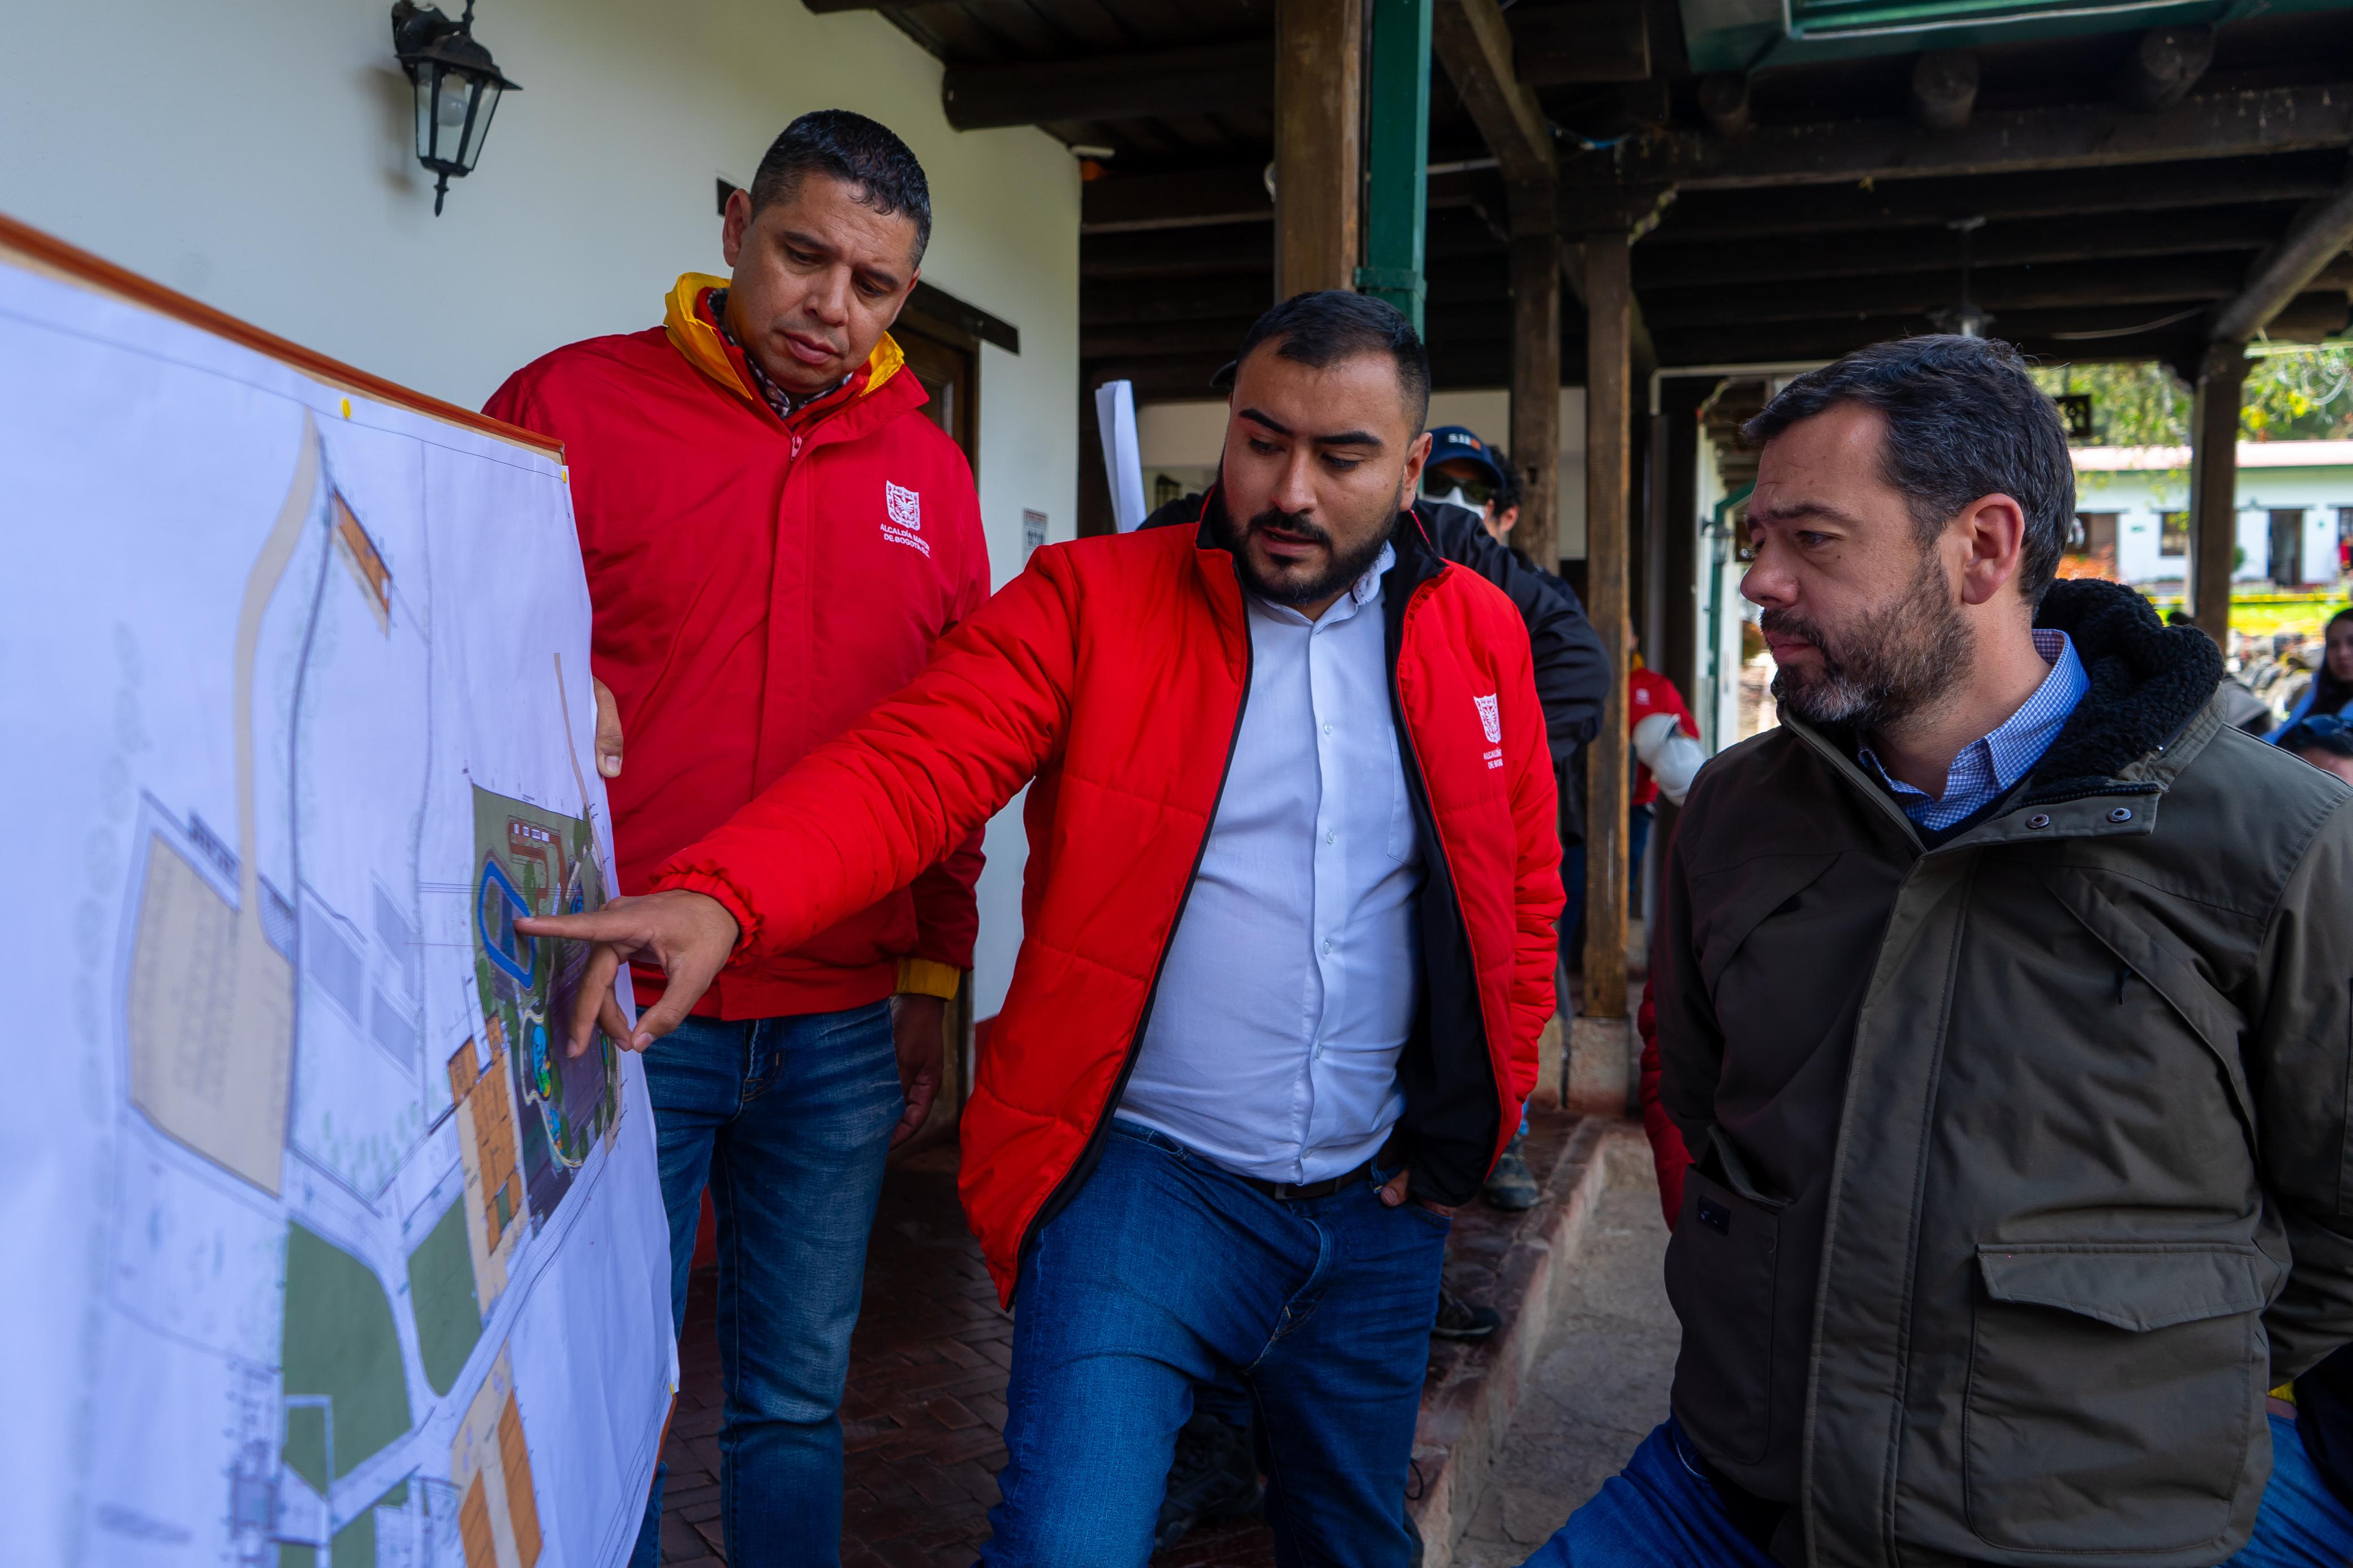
1536,393
2214,487
1319,90
1609,412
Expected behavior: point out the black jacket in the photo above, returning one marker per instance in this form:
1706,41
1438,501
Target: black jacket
1573,670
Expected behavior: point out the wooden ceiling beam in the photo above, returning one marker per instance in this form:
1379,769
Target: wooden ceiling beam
2314,243
1583,41
1167,83
2164,280
1709,217
2091,333
1471,40
2074,136
2124,236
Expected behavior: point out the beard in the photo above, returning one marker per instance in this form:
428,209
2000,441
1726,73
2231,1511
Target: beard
1298,583
1892,664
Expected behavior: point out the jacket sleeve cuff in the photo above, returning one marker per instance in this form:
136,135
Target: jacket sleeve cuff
922,977
715,885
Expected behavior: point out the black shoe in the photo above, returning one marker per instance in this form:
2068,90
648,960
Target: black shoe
1510,1186
1461,1320
1212,1480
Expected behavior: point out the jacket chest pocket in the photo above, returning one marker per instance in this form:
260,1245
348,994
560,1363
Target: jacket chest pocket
2114,1393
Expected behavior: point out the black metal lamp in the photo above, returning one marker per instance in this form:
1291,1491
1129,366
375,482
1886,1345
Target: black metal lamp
458,87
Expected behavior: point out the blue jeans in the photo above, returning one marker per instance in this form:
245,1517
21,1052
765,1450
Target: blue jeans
787,1119
1165,1272
1659,1512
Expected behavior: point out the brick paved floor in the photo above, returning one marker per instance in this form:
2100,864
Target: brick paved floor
924,1412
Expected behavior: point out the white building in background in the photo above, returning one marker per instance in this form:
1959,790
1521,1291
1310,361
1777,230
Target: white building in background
2295,504
260,156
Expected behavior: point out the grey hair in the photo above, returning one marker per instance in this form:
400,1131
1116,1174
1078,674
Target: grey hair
1964,420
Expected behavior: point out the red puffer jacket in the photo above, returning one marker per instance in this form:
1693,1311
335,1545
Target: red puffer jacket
1113,672
759,584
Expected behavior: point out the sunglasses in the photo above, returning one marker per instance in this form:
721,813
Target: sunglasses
1478,491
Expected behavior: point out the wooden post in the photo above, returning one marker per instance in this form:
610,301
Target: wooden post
2214,487
1319,89
1608,410
1535,391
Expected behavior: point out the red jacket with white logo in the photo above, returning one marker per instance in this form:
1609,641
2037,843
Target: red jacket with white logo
1113,672
759,584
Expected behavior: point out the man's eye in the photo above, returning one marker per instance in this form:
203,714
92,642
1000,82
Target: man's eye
1344,465
1263,448
800,258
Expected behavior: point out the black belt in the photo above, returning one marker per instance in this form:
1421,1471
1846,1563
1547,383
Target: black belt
1292,1192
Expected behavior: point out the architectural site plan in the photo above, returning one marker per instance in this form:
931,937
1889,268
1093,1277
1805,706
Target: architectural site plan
340,1259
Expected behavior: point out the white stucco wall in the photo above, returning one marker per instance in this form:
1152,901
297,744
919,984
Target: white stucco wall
258,154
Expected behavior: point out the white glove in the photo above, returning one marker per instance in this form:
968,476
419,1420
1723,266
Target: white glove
1672,757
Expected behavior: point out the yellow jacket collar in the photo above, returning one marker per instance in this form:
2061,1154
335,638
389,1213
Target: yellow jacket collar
693,336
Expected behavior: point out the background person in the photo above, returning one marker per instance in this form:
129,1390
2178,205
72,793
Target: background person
1667,757
1248,1061
775,537
1982,1259
2331,689
2323,740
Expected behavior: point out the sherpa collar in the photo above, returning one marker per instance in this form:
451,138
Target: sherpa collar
2147,680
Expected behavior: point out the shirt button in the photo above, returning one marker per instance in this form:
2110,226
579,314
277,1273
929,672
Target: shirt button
1331,837
1327,944
1327,728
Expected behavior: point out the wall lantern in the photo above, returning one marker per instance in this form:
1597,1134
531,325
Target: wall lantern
458,87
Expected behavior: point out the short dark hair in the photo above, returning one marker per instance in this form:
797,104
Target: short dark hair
857,151
1510,493
1328,325
1964,420
2303,736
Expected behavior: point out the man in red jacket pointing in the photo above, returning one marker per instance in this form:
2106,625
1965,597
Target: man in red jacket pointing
775,537
1287,947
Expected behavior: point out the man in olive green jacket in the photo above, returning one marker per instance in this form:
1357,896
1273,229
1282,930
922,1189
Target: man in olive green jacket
2003,1002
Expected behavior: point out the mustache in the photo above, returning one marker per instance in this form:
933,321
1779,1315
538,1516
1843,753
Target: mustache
1298,524
1787,622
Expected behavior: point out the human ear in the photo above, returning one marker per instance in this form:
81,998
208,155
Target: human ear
733,227
1992,529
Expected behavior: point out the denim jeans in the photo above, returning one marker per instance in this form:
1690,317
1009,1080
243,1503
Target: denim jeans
1167,1271
787,1119
1660,1512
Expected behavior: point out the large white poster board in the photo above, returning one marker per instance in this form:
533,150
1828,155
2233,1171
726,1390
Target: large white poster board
312,1251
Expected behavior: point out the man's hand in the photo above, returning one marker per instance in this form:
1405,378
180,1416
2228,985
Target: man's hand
918,1031
1394,1192
608,731
689,934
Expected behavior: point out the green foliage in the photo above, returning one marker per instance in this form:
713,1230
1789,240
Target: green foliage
2289,397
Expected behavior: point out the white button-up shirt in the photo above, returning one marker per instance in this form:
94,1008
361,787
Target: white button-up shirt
1292,981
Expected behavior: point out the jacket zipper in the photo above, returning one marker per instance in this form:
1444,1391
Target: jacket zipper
1420,786
1083,1167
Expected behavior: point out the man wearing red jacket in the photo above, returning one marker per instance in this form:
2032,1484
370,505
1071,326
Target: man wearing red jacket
775,537
1286,948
